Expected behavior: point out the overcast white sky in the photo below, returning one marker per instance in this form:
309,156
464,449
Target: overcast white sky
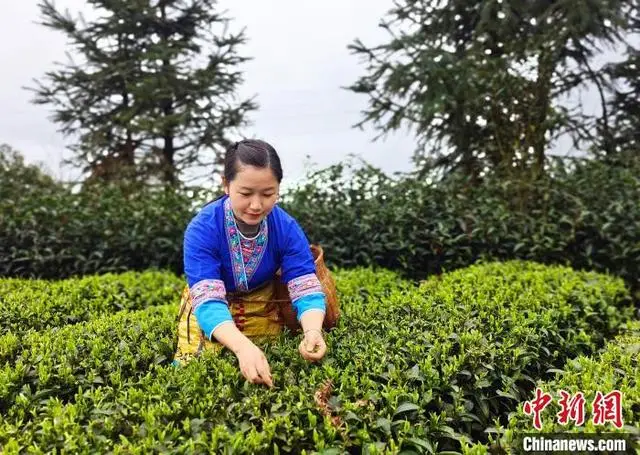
300,61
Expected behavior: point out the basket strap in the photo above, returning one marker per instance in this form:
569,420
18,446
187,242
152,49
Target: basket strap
261,301
188,324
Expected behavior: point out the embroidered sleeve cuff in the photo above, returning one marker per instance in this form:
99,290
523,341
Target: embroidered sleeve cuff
310,302
205,290
304,285
211,314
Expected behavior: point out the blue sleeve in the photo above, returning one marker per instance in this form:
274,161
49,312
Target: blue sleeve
210,315
202,269
299,272
297,259
201,252
310,302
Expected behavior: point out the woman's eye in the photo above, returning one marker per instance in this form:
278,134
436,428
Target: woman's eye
249,194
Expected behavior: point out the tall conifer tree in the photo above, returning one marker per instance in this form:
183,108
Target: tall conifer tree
480,83
153,90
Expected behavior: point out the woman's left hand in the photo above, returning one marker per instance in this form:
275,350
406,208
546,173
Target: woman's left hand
312,347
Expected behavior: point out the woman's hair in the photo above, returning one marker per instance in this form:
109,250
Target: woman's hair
252,152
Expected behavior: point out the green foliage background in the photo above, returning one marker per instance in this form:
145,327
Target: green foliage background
584,214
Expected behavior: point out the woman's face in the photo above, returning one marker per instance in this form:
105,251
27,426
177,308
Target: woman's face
253,193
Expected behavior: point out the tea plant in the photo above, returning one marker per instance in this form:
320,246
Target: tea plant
421,369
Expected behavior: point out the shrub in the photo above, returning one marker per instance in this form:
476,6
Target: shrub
616,368
54,232
106,350
39,304
584,216
409,368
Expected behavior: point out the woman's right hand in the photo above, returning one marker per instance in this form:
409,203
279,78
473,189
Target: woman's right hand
254,365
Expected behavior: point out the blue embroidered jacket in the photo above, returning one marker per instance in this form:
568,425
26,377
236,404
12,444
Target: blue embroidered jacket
218,259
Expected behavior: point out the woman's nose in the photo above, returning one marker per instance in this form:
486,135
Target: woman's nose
255,204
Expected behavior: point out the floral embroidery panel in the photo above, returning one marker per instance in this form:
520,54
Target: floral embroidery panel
206,290
304,285
245,255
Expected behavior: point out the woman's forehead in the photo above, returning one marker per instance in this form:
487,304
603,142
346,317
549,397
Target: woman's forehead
251,177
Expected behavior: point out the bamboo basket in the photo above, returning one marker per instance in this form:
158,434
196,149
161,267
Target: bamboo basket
328,286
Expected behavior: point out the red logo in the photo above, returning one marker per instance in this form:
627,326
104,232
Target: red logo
572,408
536,406
608,408
605,408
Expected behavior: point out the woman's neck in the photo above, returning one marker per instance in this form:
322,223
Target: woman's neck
248,230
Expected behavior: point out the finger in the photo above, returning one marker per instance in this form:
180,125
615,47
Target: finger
322,348
268,382
315,355
303,350
253,377
321,351
267,379
266,364
313,343
245,373
265,373
262,370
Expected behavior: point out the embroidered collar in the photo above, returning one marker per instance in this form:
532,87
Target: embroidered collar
243,272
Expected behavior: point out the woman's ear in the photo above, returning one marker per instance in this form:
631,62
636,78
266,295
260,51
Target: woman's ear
225,185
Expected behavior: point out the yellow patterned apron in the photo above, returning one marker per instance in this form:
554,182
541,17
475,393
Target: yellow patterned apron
256,314
262,312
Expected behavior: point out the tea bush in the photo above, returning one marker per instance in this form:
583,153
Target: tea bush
420,369
584,215
39,304
616,368
103,351
59,234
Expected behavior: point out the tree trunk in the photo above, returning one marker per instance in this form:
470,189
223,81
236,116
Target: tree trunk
168,149
538,127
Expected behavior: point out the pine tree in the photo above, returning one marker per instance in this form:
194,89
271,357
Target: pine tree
479,83
154,93
624,104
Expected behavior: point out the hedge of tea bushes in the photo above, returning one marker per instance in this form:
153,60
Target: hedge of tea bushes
27,304
52,230
408,368
105,350
364,282
582,213
617,367
504,325
8,284
587,293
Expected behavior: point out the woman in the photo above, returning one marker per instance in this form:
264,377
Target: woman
235,250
